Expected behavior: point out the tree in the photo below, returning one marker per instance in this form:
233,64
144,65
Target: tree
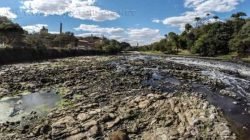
216,18
241,42
197,19
125,45
200,46
10,32
238,15
213,39
188,27
174,38
65,40
34,40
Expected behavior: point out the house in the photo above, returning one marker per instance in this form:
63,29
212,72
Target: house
89,42
84,44
44,30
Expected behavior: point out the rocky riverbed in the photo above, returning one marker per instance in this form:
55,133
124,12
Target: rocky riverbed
126,97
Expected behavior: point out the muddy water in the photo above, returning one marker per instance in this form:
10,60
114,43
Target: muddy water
14,108
235,77
236,114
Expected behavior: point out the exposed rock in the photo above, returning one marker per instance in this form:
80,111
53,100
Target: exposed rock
83,117
118,135
150,98
89,124
3,92
79,136
113,123
144,104
93,131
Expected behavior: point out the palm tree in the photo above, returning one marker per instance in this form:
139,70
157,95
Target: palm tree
216,18
238,15
206,20
188,27
197,19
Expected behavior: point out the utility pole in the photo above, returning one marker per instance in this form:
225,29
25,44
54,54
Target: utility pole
60,41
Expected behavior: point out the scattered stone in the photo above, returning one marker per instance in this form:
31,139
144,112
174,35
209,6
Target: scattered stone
144,104
113,123
90,124
79,136
83,117
118,135
103,96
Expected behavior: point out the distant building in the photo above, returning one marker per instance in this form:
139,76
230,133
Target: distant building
84,44
44,30
61,28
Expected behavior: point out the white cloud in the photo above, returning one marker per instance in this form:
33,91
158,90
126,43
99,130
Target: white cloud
143,36
80,9
34,28
199,9
212,5
156,21
54,32
6,11
98,29
89,34
180,21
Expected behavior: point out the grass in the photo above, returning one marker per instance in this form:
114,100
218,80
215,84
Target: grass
227,57
230,56
64,103
153,52
247,59
16,55
185,53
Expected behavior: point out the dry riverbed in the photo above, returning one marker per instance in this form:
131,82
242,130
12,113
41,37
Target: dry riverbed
112,97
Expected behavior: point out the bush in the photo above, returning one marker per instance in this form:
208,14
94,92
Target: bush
19,54
241,42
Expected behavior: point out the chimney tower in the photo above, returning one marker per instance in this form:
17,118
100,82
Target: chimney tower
61,28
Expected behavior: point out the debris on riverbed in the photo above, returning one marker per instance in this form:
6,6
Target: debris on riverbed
124,97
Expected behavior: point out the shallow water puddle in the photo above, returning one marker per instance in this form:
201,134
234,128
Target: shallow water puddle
14,108
236,114
161,81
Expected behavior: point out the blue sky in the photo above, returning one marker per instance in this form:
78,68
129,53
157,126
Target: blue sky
142,21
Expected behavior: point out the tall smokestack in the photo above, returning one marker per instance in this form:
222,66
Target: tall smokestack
61,28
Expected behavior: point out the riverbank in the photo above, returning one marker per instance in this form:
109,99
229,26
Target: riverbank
230,57
18,55
135,96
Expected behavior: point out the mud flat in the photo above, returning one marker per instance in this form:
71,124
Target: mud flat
128,97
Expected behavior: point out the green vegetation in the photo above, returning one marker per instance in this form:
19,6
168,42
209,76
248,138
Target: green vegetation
17,45
46,40
12,35
218,38
26,54
112,46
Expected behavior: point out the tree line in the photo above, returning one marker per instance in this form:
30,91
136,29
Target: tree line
13,35
209,36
